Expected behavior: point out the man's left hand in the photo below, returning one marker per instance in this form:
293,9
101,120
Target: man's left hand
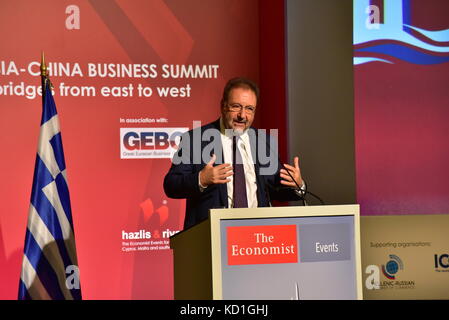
286,180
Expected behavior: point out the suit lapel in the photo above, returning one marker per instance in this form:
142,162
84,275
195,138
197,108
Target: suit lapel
222,189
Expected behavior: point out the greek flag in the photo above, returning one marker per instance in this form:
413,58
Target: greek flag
49,267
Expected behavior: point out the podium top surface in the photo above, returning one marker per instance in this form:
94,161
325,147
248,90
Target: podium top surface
279,212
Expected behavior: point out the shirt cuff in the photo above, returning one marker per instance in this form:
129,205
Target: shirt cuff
302,189
202,188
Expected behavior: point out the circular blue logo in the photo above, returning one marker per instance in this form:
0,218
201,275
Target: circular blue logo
392,267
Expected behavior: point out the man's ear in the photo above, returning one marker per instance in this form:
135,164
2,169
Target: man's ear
222,105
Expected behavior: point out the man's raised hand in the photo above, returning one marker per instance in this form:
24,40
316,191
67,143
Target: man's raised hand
215,174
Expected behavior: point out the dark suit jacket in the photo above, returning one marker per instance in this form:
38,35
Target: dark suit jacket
182,179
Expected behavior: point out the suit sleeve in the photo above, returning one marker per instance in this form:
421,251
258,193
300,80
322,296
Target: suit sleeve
181,181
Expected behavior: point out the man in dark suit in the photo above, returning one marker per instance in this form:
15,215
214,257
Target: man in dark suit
224,164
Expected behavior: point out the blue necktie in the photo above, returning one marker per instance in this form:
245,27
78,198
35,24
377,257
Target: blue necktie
239,196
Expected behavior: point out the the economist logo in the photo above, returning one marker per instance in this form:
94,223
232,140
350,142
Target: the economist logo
262,244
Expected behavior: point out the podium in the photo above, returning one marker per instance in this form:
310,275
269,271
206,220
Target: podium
285,253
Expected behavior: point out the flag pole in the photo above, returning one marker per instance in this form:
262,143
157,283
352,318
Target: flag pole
43,75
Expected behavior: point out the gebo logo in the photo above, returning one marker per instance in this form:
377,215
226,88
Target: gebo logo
147,143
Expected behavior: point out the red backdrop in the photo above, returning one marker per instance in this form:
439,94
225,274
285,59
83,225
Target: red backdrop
112,196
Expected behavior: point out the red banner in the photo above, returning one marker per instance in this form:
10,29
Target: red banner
128,77
262,244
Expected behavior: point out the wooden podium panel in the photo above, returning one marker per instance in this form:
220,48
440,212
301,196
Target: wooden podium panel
271,253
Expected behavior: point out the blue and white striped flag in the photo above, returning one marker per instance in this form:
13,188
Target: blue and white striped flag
50,267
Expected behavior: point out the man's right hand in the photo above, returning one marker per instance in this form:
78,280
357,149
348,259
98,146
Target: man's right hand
215,175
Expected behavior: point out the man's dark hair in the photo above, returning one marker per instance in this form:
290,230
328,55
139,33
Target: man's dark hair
239,83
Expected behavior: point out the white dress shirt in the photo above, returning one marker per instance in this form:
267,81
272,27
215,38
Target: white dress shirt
248,164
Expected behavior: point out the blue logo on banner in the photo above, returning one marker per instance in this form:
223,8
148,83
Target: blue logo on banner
394,37
392,267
